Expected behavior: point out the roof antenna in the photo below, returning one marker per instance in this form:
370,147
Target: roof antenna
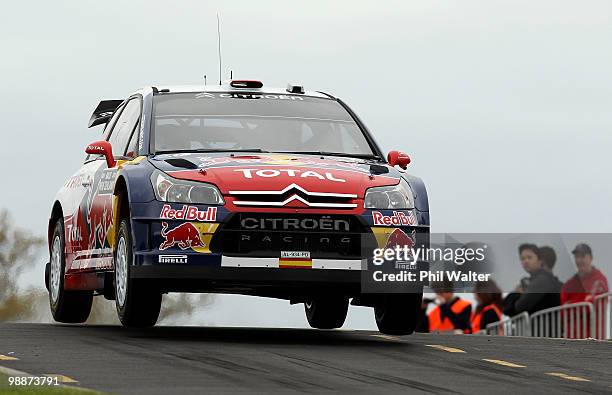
219,39
204,79
231,74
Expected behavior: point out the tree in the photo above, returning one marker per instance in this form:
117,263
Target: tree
18,249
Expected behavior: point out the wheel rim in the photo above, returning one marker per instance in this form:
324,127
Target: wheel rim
56,268
121,271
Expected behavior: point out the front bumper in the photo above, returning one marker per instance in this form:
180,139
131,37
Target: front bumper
183,256
292,284
286,283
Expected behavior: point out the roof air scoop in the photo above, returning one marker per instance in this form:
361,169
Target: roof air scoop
250,84
295,88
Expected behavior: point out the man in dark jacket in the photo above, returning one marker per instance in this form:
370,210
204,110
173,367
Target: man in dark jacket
537,292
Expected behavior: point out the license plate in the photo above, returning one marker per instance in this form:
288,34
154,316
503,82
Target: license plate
295,254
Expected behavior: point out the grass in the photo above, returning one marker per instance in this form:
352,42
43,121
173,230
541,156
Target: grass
6,389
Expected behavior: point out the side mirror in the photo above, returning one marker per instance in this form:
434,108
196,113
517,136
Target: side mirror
398,158
102,148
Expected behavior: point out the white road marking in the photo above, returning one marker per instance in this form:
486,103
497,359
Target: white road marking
567,377
444,348
504,363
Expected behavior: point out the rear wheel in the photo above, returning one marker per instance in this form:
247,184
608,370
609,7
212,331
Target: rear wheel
326,312
138,305
66,306
397,314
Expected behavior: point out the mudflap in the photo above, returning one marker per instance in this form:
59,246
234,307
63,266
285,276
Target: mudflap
47,271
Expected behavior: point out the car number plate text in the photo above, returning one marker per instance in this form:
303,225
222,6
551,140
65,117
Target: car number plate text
295,254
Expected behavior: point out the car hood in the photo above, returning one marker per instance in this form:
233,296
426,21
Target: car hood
244,173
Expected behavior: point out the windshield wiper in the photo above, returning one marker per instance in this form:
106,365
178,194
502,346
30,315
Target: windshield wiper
180,151
259,150
326,153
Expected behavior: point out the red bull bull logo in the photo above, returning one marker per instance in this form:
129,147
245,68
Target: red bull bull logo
399,238
185,236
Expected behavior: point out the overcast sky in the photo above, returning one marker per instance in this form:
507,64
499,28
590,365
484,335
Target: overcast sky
504,106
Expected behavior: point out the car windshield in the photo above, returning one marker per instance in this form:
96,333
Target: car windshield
258,122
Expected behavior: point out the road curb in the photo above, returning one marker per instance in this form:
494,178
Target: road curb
13,372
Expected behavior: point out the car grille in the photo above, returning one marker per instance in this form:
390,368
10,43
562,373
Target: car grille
266,235
294,196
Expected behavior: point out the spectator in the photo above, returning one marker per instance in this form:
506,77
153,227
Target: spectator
489,305
538,291
588,282
452,313
549,259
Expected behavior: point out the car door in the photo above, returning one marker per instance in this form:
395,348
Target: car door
98,202
76,195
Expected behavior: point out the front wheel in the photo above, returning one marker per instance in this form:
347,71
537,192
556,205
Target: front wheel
137,304
66,306
326,312
397,314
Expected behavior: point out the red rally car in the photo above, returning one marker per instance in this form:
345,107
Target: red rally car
233,188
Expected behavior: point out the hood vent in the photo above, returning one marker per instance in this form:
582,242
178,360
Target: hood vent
182,162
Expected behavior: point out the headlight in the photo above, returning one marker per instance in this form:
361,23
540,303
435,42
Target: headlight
392,197
178,191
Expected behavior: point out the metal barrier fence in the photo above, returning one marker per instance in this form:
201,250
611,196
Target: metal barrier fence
602,305
519,325
570,321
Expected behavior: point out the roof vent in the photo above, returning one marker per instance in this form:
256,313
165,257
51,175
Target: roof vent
295,88
246,84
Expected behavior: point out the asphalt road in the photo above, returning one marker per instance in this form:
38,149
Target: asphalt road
186,360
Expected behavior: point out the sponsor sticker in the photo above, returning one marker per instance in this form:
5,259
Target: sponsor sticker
323,223
185,236
74,233
270,173
209,95
107,182
142,130
193,235
189,213
173,259
399,218
78,181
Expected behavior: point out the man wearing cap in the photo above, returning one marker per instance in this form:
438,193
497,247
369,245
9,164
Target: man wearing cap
588,282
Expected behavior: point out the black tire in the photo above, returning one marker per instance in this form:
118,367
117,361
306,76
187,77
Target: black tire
327,312
397,314
66,306
140,304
